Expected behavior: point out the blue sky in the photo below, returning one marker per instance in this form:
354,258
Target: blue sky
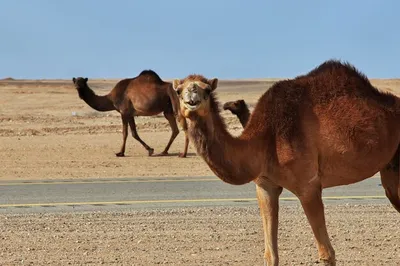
219,38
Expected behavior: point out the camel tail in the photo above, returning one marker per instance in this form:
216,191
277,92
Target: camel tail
174,101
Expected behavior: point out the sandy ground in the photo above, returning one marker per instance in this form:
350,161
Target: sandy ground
47,132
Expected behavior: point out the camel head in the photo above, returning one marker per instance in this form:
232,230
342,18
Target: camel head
80,82
194,93
236,107
80,85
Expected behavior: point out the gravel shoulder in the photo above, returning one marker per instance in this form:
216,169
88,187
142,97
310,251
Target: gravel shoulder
361,235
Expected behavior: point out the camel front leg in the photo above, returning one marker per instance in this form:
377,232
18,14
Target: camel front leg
183,124
185,148
268,201
314,209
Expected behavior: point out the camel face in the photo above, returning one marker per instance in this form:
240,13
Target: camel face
236,107
80,82
194,92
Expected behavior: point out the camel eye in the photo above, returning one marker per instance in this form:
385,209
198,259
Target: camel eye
207,90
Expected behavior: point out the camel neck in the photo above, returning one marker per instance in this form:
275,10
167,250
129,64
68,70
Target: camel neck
99,103
230,158
244,117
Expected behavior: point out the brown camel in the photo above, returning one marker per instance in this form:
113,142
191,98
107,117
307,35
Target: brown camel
145,95
327,128
240,109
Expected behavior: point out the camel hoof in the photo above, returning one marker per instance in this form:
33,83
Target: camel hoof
164,153
151,151
326,262
120,154
182,155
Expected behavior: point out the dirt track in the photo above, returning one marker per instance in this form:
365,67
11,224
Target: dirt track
47,132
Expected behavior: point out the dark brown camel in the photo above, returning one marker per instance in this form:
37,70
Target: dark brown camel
240,109
145,95
327,128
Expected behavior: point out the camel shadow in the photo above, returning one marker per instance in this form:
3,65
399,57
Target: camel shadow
174,154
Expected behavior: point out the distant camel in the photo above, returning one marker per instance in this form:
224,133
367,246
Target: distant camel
240,109
327,128
145,95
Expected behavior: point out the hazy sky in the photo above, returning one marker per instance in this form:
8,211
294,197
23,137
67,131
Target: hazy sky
219,38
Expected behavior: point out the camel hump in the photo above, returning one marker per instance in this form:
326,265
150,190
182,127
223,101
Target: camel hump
334,78
150,74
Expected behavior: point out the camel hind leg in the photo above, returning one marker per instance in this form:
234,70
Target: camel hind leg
135,135
314,209
175,131
390,177
121,153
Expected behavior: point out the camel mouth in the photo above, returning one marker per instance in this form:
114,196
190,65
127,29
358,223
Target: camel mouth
225,107
192,105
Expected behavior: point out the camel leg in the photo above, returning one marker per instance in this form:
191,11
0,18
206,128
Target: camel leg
183,155
390,177
268,201
175,131
314,209
121,153
183,124
135,135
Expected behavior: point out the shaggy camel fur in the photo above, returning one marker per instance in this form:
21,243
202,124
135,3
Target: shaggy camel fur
327,128
144,95
240,109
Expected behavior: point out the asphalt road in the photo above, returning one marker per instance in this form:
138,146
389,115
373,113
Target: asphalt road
122,193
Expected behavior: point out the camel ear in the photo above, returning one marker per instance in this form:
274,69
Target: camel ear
213,83
175,84
86,79
73,80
